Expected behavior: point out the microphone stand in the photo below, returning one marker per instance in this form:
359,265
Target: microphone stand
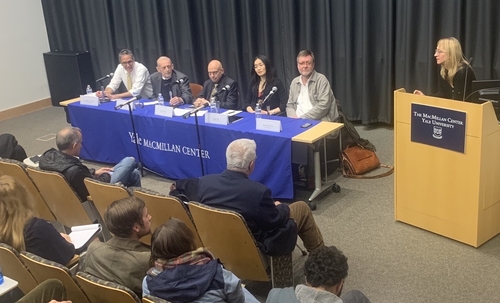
139,158
199,142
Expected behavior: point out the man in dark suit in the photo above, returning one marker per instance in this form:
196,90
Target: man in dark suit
274,225
216,86
172,84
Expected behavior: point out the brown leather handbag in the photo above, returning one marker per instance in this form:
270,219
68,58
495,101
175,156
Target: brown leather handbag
357,161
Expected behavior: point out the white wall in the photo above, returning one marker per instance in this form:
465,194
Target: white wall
23,41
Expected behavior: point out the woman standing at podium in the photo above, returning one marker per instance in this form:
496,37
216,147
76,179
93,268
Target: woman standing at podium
456,74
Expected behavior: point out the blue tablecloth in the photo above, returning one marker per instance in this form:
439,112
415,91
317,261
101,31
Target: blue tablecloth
169,146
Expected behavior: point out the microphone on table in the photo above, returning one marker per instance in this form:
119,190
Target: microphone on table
466,71
273,90
224,89
138,97
194,110
105,77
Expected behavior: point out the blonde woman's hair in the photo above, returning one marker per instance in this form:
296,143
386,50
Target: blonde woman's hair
16,208
455,60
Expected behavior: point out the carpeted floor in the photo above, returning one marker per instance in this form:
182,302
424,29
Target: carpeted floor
389,261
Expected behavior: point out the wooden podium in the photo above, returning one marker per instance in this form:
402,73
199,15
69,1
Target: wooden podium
450,193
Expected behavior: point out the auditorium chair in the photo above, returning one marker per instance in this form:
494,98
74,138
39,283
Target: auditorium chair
14,268
162,208
227,236
103,194
17,170
60,197
43,269
102,291
195,89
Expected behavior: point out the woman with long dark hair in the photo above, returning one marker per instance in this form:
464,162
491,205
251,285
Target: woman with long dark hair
263,79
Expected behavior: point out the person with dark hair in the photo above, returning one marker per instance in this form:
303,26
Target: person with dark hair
214,86
64,160
325,270
21,229
311,96
123,259
134,75
171,83
263,80
181,272
456,74
10,149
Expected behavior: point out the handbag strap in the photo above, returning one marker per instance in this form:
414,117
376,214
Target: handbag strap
384,174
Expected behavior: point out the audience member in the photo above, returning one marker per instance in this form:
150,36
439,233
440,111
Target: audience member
311,96
134,75
172,84
10,149
453,72
213,87
180,272
325,270
263,80
65,161
22,230
274,225
123,259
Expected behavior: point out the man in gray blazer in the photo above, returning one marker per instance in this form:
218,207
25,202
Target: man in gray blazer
311,96
172,84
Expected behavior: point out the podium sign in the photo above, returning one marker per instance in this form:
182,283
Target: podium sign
436,126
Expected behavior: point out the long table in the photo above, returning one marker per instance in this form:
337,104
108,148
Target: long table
169,146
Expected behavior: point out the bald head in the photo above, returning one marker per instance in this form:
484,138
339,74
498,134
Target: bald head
165,67
68,140
215,70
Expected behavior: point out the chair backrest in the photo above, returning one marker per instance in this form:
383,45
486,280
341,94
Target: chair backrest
43,269
195,89
163,208
14,268
227,236
17,170
102,291
103,194
153,299
60,197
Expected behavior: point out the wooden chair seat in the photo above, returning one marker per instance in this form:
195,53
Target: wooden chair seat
195,89
43,269
17,170
60,197
228,237
162,208
102,291
14,268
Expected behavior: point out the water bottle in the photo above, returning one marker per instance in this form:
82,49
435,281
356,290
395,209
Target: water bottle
161,101
213,105
258,111
1,276
89,89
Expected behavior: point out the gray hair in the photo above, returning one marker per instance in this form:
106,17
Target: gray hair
305,53
124,52
240,153
66,137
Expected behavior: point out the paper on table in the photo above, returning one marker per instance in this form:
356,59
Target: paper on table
182,111
82,234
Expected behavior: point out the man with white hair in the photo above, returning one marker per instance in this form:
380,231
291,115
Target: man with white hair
274,225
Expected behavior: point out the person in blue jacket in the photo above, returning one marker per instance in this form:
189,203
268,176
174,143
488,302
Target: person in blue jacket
180,272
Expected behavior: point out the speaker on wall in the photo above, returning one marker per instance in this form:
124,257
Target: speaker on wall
68,74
